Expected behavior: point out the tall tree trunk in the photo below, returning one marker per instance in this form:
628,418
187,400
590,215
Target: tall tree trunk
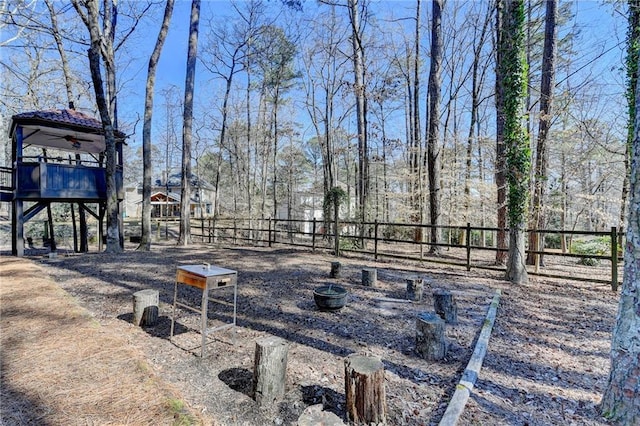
187,125
500,172
546,104
416,191
145,240
433,149
91,20
361,110
512,70
275,151
621,400
633,49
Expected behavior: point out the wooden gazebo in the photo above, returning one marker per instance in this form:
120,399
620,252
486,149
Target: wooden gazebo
57,156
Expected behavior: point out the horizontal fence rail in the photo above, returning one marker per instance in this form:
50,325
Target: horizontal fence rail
465,246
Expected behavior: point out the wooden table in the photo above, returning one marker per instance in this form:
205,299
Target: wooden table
206,278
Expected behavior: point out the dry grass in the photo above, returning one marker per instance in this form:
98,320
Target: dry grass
60,367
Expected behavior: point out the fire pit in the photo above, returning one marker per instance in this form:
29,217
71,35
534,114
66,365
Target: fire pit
330,297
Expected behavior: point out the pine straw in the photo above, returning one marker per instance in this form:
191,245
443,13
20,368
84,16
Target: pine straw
60,367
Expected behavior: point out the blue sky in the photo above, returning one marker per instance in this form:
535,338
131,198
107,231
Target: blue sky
601,31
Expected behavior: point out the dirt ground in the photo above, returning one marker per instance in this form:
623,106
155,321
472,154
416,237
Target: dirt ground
547,362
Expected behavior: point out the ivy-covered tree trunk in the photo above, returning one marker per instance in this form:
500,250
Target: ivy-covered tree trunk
621,400
512,71
145,240
500,172
633,50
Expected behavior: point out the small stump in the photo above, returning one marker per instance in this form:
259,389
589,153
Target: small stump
145,307
430,342
369,277
335,269
445,305
414,289
364,389
269,370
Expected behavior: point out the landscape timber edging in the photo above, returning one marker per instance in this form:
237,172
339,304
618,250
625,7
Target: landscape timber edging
470,374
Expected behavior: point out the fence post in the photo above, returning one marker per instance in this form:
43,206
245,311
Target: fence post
313,235
269,236
201,229
375,240
235,230
614,258
468,244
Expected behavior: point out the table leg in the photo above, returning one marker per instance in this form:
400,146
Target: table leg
203,325
235,300
173,313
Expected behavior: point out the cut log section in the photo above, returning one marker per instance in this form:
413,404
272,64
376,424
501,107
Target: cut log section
445,305
369,277
364,389
145,307
430,341
414,289
335,269
269,370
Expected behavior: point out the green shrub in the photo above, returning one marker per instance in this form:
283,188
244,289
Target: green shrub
553,241
599,246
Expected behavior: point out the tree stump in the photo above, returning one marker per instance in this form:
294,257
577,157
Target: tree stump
145,307
430,342
364,388
269,370
369,277
335,269
445,305
414,289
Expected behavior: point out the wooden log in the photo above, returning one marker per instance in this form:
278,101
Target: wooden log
471,373
269,370
364,389
445,305
335,269
414,289
145,307
430,342
369,277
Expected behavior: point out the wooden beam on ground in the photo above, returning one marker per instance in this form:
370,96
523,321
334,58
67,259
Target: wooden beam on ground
470,375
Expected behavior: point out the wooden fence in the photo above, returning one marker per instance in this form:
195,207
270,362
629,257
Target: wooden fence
465,246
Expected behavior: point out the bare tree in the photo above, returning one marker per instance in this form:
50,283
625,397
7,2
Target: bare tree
433,149
187,126
102,46
546,103
354,7
145,240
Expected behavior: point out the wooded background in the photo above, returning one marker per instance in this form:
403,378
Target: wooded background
294,99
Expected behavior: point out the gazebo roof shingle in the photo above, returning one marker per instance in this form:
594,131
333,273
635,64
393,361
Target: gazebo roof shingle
63,117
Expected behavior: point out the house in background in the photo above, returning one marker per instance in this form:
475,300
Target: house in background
165,197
